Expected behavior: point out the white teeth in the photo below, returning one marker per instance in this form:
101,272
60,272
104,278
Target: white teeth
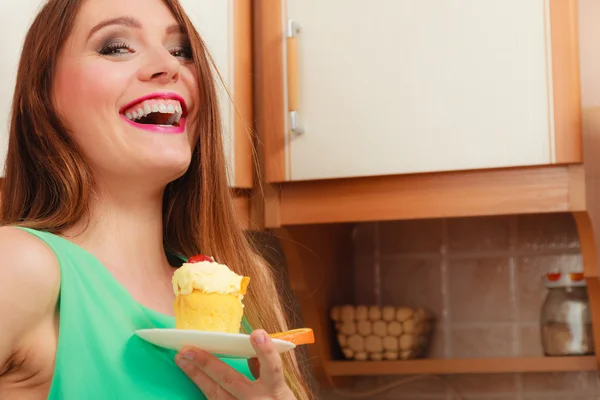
175,109
174,118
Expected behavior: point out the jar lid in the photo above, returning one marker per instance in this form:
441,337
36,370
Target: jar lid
558,279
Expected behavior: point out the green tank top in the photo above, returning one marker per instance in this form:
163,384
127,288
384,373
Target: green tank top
98,354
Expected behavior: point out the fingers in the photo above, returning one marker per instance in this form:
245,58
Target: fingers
217,380
271,367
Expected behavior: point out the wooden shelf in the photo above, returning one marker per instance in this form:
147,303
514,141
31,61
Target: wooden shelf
462,366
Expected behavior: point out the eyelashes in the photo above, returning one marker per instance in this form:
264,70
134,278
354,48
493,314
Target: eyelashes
120,48
182,51
115,48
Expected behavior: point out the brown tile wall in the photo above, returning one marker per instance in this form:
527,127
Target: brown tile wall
482,277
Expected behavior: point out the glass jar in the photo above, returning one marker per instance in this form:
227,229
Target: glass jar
566,324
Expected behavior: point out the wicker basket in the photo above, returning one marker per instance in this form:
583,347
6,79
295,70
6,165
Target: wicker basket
382,333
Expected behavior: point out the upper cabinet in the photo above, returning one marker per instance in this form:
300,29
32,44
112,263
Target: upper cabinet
356,88
226,28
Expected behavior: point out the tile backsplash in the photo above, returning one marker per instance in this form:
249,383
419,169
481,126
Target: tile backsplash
482,278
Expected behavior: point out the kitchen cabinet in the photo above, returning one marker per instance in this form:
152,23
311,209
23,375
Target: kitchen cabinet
520,165
387,87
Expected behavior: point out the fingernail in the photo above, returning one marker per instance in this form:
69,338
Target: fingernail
260,339
188,355
182,362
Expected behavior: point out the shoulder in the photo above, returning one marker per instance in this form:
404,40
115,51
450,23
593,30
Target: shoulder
29,285
25,259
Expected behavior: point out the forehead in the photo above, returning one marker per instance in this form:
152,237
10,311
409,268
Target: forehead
151,13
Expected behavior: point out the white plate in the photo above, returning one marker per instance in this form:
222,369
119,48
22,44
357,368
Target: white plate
226,345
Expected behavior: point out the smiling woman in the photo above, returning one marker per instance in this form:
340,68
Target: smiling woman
115,173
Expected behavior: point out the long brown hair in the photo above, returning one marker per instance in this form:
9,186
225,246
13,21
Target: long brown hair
48,181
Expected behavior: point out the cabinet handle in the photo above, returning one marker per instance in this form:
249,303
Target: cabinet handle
292,76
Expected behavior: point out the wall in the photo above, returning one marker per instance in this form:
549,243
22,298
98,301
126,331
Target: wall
482,277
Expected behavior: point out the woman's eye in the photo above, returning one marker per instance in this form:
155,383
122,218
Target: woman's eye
184,52
115,49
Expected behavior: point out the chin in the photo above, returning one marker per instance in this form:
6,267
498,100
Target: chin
165,167
171,170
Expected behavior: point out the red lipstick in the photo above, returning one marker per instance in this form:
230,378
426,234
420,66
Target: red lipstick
179,128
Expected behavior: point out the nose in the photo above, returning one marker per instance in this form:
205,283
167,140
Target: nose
160,67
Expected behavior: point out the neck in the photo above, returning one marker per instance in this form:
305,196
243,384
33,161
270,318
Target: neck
124,230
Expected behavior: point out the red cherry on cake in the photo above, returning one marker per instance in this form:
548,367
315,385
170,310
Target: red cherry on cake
199,258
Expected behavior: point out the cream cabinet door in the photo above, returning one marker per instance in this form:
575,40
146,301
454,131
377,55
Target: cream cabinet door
14,22
411,86
225,27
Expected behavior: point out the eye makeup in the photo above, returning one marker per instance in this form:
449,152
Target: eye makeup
118,47
115,48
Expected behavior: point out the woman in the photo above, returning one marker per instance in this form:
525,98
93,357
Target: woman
98,202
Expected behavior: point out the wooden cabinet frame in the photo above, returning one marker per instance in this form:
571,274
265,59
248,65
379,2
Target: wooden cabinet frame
471,192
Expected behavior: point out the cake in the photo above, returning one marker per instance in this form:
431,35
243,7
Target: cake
208,296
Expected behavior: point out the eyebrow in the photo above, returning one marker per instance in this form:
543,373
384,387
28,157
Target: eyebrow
129,22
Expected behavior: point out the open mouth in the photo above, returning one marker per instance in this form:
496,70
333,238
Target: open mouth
158,112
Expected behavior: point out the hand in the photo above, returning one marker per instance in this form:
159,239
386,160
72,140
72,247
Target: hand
218,381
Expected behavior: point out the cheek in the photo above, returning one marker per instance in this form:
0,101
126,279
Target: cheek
86,96
87,91
189,77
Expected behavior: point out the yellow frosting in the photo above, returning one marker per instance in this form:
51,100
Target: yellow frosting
208,277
